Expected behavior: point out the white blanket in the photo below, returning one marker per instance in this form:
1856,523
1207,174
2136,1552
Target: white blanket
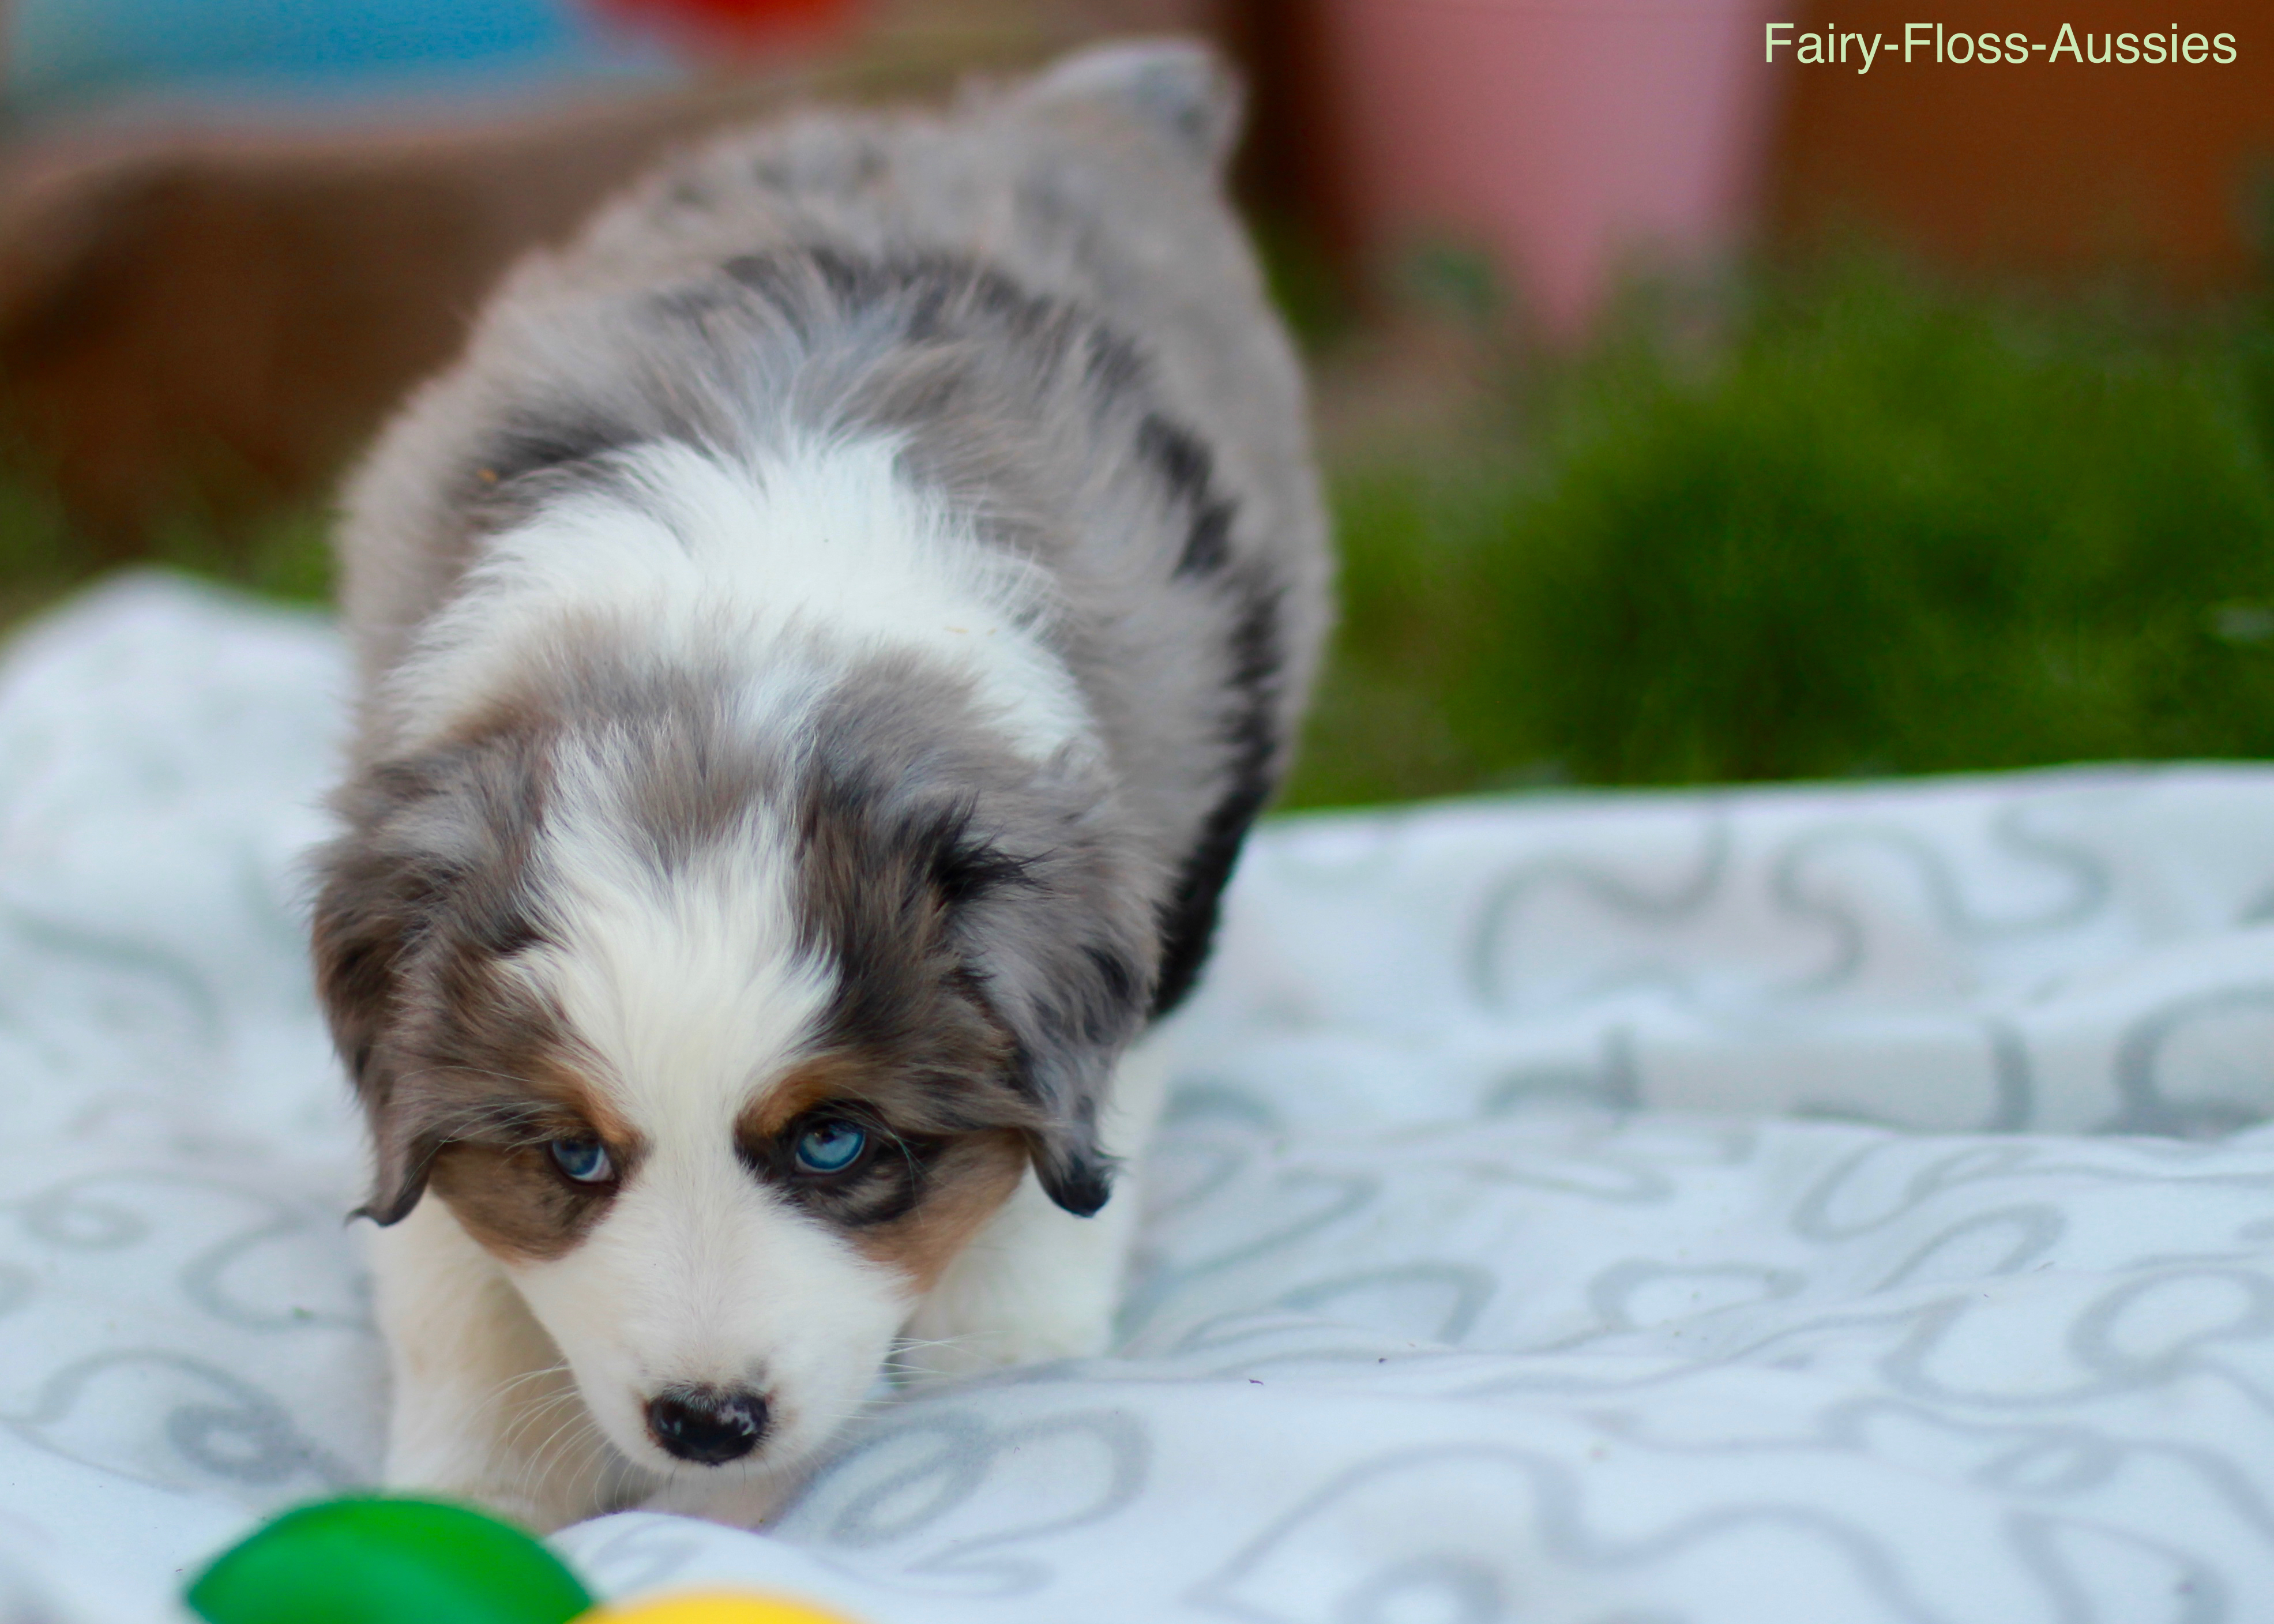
1519,1247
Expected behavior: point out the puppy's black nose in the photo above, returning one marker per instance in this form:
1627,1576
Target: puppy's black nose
708,1425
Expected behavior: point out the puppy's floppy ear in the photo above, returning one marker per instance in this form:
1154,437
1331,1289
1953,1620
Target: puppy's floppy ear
929,862
1070,1071
415,830
1068,967
370,910
1180,89
404,1158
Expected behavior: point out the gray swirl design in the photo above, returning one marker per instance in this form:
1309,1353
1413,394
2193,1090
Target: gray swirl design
1612,1293
1459,1590
2196,1592
2024,1460
204,1279
2094,1339
1321,1200
1449,1297
1260,1338
68,1217
1615,1081
2027,1234
113,1211
106,956
862,1503
1848,928
220,1426
2013,1080
1503,897
2147,1105
1504,1339
1972,1165
1541,1495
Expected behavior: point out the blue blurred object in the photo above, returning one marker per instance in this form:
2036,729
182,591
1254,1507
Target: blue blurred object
77,55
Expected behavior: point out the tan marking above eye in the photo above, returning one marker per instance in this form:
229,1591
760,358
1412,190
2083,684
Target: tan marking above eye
811,1084
570,1105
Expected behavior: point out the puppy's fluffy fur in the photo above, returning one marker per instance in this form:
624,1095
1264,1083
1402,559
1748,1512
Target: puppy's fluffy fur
820,650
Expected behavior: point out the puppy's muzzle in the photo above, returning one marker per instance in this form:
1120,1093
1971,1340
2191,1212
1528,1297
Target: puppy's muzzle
708,1425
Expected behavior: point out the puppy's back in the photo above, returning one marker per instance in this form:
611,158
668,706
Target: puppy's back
1042,298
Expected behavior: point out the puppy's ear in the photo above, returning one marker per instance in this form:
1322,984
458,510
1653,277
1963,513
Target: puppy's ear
370,910
404,1160
415,830
1068,966
1076,1175
1180,89
1071,1075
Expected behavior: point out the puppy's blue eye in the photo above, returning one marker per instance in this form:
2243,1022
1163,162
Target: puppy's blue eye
586,1160
831,1146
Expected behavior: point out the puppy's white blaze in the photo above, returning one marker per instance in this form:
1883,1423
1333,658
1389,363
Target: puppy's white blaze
700,560
687,987
688,991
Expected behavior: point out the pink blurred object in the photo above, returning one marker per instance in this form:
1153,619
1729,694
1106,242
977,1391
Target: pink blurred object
1559,135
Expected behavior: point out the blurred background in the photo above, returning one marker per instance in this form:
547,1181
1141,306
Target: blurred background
1690,417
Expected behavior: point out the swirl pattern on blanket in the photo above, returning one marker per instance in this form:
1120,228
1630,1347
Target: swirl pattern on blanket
1834,1202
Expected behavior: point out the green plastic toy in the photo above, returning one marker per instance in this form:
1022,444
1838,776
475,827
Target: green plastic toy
388,1561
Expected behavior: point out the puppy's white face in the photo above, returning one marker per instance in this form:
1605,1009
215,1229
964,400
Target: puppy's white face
718,1194
702,1314
743,913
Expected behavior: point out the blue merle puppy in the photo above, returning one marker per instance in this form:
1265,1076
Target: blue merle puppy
820,651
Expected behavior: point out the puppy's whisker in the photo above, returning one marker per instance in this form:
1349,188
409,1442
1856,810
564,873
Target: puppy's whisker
506,1386
540,1411
895,1359
907,1344
511,1394
838,1415
518,1435
578,1426
542,1403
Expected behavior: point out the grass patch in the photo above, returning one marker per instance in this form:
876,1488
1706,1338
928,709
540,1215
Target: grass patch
1879,529
281,552
1883,530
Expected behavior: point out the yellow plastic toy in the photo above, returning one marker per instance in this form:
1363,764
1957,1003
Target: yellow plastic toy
715,1607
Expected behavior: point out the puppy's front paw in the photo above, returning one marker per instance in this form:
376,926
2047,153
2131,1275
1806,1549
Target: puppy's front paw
1037,1283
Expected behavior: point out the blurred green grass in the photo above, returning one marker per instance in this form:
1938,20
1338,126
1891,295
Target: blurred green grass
281,552
1880,529
1873,527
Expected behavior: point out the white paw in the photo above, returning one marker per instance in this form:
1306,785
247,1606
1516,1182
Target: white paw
1037,1283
